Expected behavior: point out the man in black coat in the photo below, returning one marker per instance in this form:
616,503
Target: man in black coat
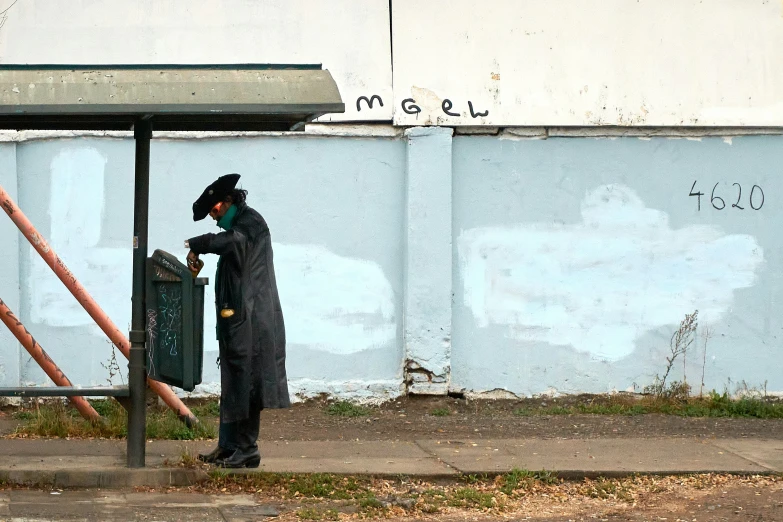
250,328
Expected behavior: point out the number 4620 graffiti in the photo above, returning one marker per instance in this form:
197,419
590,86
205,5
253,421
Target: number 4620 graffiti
756,199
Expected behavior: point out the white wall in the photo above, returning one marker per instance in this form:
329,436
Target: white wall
589,62
349,37
531,62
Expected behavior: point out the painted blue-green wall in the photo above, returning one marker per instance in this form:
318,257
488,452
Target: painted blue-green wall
432,262
334,208
576,259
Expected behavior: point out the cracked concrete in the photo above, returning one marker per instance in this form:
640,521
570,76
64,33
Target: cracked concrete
84,463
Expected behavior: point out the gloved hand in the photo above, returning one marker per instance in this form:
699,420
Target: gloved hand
194,263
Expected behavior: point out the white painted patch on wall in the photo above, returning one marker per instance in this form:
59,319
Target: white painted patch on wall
601,284
331,303
362,391
334,303
76,212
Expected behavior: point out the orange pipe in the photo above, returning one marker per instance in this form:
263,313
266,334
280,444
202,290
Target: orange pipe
88,303
44,361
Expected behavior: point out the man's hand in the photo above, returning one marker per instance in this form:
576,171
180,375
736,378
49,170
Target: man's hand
193,263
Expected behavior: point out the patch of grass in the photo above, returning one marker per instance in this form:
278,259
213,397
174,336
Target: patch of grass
166,425
23,415
689,410
325,485
714,405
432,500
370,502
433,493
382,498
370,506
749,406
219,477
57,419
303,487
186,460
210,408
471,498
475,478
441,412
605,489
104,407
611,409
523,479
346,409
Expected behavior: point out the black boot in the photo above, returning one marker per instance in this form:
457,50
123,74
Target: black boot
241,459
215,455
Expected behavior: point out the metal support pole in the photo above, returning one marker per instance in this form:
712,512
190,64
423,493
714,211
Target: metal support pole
137,373
65,391
46,363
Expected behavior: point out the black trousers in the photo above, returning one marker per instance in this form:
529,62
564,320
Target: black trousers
242,434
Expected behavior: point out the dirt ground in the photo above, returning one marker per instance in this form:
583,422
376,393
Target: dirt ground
736,500
734,503
716,499
415,417
411,418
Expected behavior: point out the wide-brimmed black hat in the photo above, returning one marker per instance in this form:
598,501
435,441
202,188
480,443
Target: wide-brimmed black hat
213,194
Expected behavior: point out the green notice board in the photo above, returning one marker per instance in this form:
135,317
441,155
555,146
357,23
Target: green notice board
175,322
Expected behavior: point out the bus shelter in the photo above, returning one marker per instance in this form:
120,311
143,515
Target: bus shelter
144,99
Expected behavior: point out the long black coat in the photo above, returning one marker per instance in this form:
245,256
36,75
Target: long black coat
252,340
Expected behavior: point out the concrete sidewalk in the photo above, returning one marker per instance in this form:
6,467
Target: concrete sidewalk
101,463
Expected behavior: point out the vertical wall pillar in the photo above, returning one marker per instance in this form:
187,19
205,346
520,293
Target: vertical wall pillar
10,357
428,261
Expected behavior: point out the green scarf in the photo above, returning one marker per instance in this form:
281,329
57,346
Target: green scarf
226,222
228,218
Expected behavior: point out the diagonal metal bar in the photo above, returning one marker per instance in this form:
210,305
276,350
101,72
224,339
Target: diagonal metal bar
88,303
44,361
